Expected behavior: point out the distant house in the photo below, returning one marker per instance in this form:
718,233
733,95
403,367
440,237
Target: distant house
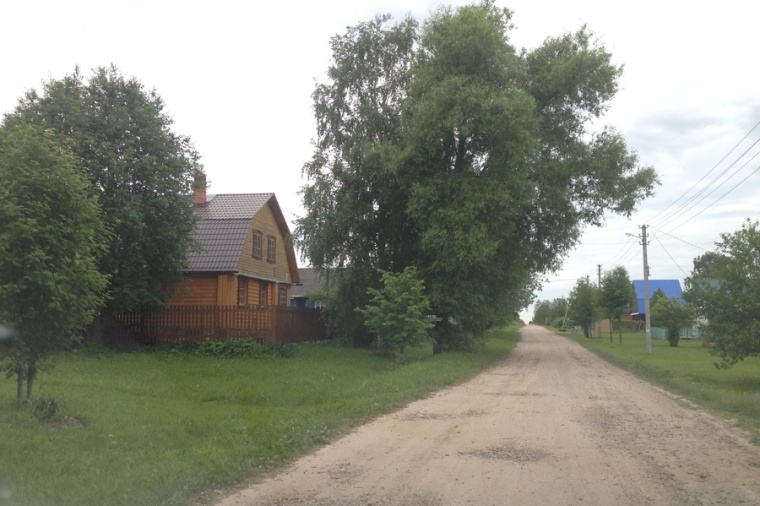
310,291
245,256
670,287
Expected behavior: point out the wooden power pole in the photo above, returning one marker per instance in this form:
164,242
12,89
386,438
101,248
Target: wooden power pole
647,315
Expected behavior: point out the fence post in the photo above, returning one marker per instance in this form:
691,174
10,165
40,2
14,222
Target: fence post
275,324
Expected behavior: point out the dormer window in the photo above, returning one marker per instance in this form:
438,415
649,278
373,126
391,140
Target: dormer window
271,248
258,240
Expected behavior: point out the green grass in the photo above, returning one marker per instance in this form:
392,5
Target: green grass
687,370
155,428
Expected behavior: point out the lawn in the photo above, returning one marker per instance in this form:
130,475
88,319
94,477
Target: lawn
160,428
688,370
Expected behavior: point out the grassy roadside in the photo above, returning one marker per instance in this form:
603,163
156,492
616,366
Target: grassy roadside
687,370
153,428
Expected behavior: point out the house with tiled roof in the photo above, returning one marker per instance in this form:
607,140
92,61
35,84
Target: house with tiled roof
244,254
310,291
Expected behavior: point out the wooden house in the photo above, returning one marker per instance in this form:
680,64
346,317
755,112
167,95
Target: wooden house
311,291
244,257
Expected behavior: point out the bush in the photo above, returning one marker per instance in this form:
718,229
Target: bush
43,408
232,348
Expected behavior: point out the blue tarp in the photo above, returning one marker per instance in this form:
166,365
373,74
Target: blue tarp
671,288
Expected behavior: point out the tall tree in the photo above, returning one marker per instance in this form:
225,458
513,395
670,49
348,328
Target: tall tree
143,173
542,312
50,239
726,291
355,220
616,295
488,172
583,305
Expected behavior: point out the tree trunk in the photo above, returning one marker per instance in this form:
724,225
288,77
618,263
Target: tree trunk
382,346
620,329
30,375
19,384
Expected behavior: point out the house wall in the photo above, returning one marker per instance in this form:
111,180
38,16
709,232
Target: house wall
226,292
278,271
206,290
197,289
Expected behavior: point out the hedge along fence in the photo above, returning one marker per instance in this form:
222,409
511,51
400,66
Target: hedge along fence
280,324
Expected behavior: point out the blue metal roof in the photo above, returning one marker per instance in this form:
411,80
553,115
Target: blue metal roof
671,288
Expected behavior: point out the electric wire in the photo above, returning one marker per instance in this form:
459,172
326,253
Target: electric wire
663,225
719,198
669,255
706,174
690,203
678,239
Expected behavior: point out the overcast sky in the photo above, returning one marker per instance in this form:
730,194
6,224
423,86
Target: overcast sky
236,76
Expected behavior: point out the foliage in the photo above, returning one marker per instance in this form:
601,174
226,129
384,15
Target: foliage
673,315
542,312
398,313
725,288
658,294
583,305
231,348
141,171
159,429
50,233
44,408
615,295
551,312
440,147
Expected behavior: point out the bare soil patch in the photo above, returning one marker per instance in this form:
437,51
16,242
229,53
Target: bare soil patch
552,424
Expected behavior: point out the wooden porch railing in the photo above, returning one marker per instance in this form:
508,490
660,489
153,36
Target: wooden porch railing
194,323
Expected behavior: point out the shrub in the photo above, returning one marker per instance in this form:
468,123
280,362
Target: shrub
232,348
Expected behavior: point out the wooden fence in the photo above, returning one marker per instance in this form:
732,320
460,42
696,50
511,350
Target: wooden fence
194,323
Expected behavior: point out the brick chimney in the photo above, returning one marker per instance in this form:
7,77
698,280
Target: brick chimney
200,189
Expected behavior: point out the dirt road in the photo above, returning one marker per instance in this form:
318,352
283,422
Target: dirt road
551,425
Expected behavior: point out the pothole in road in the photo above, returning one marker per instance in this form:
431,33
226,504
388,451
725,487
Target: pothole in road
509,451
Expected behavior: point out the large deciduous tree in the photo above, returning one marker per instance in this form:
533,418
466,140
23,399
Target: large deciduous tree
51,234
583,305
142,171
616,296
443,148
725,288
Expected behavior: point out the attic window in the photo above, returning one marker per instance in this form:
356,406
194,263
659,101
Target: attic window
258,240
271,248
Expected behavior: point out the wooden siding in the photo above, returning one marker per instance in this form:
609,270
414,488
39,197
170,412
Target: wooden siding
226,292
222,290
195,323
197,289
261,268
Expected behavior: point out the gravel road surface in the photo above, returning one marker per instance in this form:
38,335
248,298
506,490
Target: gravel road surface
551,425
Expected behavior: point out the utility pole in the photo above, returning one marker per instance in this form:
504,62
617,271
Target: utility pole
647,315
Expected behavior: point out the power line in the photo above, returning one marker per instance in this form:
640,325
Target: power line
678,239
706,174
719,198
689,204
670,256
